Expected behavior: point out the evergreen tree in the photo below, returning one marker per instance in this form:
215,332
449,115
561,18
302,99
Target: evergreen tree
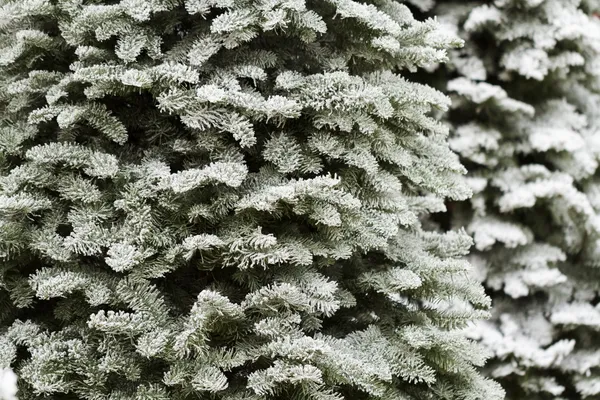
526,122
223,200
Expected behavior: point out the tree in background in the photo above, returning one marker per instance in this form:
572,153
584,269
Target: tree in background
526,122
223,199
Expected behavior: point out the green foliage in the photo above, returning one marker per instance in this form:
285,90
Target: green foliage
526,90
223,200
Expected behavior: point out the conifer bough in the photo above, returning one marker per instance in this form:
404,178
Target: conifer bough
527,126
223,200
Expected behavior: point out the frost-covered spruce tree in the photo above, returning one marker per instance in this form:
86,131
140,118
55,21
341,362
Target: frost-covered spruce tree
222,200
526,122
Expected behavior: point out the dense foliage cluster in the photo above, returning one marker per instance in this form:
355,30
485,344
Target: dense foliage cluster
224,199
